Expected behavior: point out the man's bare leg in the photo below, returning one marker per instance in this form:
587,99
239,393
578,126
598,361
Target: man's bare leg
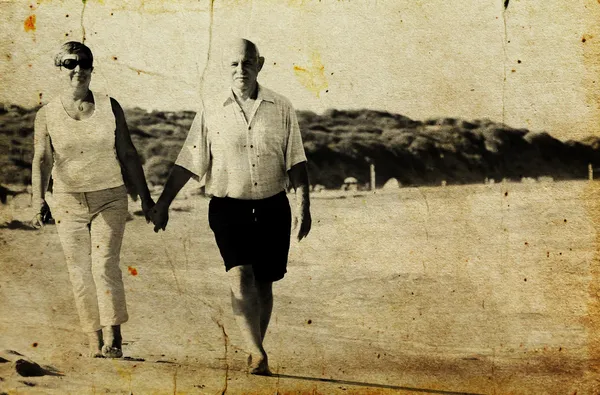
265,299
246,309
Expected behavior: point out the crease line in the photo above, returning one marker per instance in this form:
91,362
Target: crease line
81,21
225,344
216,311
170,261
175,380
211,10
504,74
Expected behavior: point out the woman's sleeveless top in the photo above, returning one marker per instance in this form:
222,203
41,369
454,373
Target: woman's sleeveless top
85,157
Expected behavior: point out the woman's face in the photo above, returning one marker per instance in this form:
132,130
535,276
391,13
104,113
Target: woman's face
77,69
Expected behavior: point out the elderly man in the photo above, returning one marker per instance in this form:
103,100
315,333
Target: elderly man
248,145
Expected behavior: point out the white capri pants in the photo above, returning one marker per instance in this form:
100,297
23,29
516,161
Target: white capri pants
90,227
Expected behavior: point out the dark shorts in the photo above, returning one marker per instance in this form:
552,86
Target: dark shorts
253,232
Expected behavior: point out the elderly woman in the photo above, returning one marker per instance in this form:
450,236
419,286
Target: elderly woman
81,138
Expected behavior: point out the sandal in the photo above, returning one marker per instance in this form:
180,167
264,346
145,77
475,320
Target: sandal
111,352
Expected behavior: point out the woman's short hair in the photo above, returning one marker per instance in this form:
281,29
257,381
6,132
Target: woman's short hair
73,47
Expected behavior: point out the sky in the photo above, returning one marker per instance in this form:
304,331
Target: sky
528,65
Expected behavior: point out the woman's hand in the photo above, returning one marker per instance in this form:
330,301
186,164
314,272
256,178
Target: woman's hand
147,206
160,216
42,217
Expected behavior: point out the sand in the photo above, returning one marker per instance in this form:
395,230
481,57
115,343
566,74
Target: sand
461,289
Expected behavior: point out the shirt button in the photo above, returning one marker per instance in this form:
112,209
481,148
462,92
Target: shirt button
253,165
256,183
249,127
251,146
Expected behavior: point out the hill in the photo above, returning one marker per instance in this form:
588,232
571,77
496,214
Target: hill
339,144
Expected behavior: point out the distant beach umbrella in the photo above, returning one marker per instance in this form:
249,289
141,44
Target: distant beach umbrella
392,183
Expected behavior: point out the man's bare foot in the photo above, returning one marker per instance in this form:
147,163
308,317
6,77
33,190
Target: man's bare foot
259,365
113,345
96,343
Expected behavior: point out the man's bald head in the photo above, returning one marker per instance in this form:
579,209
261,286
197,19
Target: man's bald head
241,45
242,58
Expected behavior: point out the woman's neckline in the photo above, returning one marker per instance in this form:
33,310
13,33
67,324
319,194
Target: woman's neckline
82,119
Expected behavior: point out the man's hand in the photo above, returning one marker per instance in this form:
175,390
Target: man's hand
159,215
147,206
299,177
303,223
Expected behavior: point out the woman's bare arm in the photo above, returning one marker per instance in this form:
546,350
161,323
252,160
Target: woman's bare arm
129,157
43,159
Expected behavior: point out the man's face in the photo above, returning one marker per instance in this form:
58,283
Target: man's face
244,66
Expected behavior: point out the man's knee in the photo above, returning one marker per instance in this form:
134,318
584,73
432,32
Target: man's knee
241,280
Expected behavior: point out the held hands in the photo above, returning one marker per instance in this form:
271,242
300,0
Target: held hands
147,205
303,222
159,215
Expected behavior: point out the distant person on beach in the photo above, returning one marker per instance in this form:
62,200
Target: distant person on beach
82,139
247,144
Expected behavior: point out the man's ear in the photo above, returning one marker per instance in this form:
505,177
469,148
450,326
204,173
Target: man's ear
261,62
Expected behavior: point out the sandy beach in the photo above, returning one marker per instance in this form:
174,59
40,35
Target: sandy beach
487,289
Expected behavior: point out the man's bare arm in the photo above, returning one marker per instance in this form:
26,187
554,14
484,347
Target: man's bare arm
299,178
178,177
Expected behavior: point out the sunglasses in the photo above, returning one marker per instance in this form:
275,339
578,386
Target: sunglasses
70,64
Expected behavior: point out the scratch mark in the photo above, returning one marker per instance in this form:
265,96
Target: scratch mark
81,21
140,71
427,219
211,10
185,81
225,345
504,41
175,381
185,254
493,364
170,261
216,311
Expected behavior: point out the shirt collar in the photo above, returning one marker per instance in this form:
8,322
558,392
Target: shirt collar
263,95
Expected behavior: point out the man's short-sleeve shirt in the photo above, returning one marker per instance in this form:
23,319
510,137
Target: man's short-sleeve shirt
239,158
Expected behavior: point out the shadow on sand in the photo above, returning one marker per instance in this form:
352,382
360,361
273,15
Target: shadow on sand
17,225
25,367
371,385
